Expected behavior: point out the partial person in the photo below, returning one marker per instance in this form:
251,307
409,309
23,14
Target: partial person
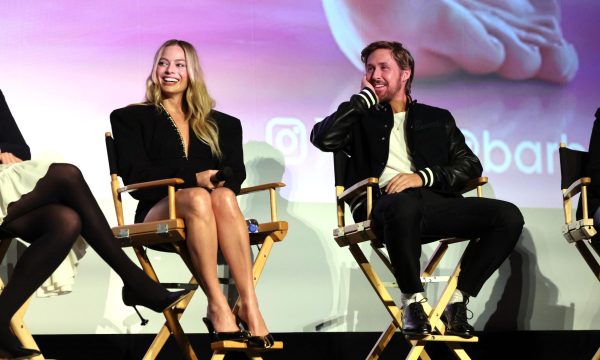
49,205
592,169
176,132
422,162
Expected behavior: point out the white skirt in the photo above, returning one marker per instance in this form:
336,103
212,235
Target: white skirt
17,180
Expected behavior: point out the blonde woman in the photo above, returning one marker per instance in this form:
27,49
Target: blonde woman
177,133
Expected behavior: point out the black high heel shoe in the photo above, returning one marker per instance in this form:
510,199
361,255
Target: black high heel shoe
261,342
240,335
158,305
10,348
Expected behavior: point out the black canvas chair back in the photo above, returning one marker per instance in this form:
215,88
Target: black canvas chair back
572,165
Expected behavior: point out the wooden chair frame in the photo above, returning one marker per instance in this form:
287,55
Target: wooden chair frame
17,324
352,235
172,230
578,231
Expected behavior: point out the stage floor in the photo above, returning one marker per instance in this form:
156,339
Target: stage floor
546,345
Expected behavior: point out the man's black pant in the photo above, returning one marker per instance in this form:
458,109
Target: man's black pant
408,218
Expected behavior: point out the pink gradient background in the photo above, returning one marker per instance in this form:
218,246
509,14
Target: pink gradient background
67,64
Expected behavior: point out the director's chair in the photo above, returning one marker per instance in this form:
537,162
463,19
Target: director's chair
171,231
573,182
352,235
17,325
578,231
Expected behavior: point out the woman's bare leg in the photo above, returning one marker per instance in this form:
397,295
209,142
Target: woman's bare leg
234,243
194,206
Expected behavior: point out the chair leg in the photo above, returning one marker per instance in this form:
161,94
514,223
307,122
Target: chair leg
172,319
588,257
21,331
385,298
597,355
259,264
458,351
383,341
218,355
261,258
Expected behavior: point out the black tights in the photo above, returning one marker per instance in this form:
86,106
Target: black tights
60,207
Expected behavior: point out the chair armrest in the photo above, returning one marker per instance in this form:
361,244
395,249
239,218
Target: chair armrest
150,184
251,189
272,198
358,188
575,187
474,183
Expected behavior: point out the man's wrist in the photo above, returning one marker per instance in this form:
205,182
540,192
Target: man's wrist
368,96
426,176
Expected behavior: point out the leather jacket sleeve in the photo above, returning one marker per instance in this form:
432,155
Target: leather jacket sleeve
463,164
333,133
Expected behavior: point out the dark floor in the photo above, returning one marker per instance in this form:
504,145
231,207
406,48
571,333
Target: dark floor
571,345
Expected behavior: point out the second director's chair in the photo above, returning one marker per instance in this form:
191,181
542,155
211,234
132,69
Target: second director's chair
352,235
573,182
172,231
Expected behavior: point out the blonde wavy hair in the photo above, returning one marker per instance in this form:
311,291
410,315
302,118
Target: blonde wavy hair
197,103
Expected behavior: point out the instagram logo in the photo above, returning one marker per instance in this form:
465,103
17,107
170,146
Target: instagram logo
288,135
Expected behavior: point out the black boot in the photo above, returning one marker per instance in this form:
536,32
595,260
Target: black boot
414,320
456,320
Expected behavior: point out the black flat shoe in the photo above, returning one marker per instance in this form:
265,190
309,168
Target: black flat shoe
456,318
131,298
261,342
415,321
240,335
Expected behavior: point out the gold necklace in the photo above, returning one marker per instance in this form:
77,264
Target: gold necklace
185,154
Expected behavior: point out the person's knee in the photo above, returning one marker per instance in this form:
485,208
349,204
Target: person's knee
66,174
512,217
223,201
194,202
66,223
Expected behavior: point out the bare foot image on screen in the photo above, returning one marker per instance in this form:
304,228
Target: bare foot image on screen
516,39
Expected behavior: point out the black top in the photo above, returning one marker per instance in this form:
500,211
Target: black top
11,139
149,147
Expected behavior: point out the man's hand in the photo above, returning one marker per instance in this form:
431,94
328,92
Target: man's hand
9,158
402,182
364,83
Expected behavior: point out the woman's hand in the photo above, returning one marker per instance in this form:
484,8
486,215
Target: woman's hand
9,158
203,179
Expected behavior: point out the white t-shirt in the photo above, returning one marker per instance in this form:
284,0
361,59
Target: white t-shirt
399,160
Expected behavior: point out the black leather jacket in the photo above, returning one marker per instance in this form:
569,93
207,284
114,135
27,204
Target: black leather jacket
437,147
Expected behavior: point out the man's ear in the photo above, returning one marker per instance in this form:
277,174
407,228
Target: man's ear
405,75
